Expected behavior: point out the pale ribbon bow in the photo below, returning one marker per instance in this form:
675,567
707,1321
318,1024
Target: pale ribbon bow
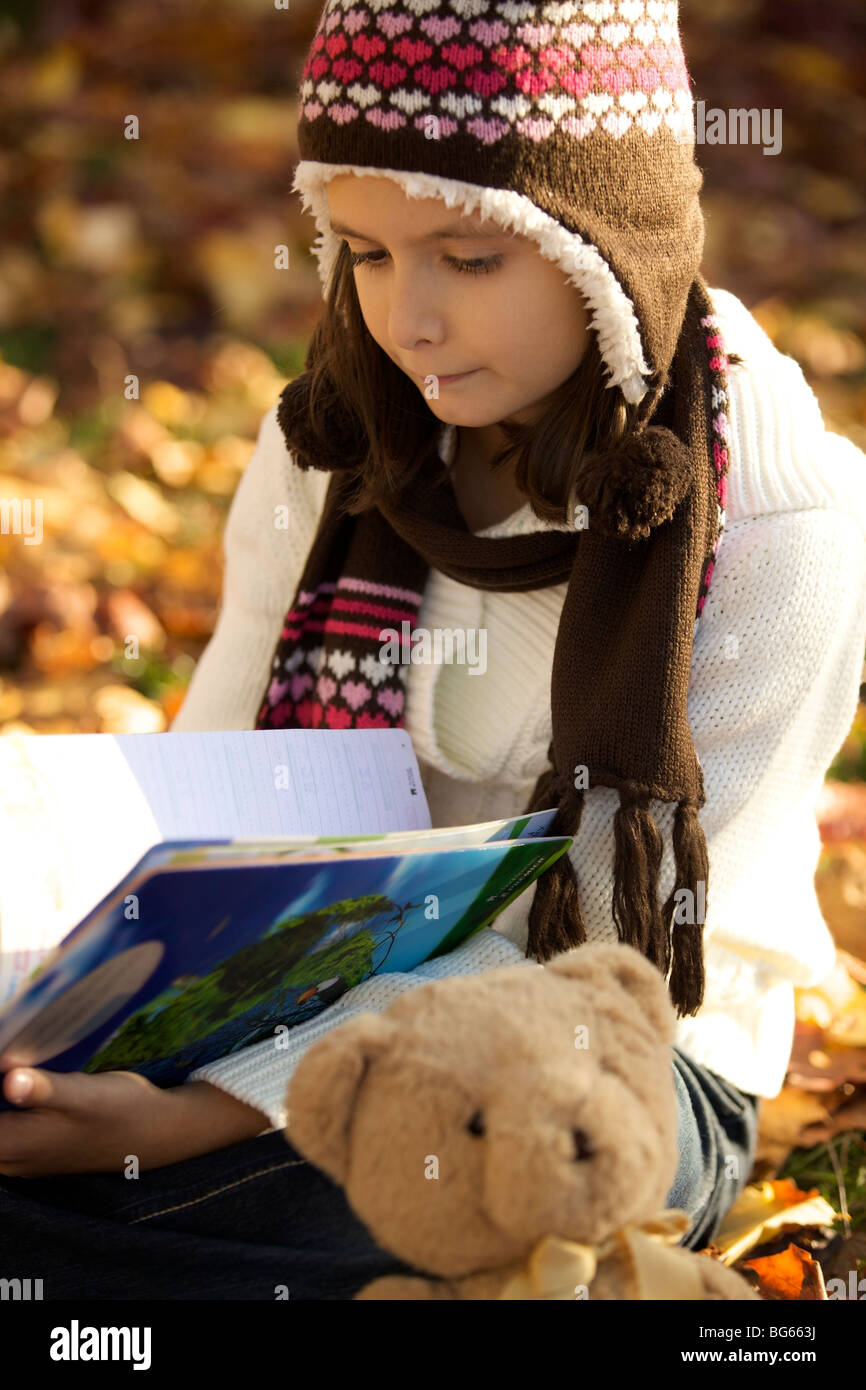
557,1268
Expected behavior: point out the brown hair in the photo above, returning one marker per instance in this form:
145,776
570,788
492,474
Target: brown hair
353,407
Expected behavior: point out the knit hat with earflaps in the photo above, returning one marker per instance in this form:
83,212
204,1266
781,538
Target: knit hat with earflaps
570,124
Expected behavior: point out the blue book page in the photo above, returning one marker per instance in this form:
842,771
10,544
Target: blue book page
183,964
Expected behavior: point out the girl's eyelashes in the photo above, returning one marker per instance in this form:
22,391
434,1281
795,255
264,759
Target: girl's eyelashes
479,266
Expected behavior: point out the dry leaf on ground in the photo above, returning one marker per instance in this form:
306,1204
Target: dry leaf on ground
764,1210
792,1275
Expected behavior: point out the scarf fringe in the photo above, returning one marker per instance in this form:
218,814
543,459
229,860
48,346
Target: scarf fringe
687,979
637,859
555,920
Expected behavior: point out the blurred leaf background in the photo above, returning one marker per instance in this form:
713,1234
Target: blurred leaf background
154,257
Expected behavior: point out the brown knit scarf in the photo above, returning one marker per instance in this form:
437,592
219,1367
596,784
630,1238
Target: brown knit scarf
637,578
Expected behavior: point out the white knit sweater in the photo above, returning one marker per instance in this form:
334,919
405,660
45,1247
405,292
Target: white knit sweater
773,691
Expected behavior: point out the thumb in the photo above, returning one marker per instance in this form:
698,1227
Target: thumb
27,1086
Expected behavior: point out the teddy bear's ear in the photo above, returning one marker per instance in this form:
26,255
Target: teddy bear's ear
322,1092
597,962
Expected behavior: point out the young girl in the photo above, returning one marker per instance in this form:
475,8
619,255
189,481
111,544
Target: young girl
524,414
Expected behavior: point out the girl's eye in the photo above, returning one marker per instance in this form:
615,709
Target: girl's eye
479,266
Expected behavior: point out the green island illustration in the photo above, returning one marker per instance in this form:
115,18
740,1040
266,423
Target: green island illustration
261,984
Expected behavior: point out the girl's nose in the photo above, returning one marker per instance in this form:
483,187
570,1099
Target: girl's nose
414,311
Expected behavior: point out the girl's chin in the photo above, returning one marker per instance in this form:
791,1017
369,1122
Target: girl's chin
466,419
472,414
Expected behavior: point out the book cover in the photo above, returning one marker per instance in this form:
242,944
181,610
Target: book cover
206,948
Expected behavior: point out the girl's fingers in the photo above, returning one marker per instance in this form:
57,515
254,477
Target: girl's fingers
27,1086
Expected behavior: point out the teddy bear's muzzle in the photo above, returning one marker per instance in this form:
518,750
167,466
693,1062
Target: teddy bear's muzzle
569,1169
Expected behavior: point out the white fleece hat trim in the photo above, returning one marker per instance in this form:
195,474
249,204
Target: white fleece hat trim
612,313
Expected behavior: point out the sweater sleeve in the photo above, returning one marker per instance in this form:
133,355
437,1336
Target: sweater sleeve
263,562
776,683
259,1075
785,677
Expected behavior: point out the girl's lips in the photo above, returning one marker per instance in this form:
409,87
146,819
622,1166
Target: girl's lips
447,380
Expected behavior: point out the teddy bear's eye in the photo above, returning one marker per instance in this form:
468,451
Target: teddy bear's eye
582,1146
476,1124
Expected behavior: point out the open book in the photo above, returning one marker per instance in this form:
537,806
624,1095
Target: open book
166,899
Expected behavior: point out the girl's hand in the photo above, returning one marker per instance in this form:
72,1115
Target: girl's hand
72,1122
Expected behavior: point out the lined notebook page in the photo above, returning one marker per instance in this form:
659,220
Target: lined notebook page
277,782
77,811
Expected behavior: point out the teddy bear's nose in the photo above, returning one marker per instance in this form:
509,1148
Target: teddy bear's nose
582,1146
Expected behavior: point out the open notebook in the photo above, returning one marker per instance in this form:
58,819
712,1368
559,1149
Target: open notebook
168,898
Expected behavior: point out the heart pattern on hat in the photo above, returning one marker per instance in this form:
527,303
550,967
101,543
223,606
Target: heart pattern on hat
518,69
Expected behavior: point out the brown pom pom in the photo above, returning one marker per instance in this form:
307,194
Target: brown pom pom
636,487
338,448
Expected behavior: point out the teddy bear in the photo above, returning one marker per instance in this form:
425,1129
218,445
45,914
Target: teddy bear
512,1134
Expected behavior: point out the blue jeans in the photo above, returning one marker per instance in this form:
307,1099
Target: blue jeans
257,1221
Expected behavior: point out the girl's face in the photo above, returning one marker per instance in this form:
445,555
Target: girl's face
442,293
